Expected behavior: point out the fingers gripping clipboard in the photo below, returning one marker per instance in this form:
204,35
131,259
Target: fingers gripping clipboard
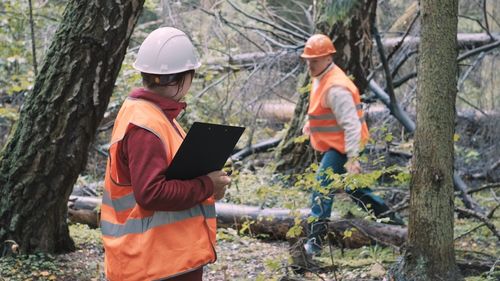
205,149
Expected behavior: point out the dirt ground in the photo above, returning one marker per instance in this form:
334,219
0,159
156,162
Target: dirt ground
240,258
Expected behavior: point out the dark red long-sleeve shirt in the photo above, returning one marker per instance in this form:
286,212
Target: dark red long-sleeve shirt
142,162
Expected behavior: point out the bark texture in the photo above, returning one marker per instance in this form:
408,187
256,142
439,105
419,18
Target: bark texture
430,253
58,121
353,41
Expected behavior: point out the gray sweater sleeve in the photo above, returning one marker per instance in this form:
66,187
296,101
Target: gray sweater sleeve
340,101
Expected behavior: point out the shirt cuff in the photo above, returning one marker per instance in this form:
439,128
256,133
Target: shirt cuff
207,185
352,154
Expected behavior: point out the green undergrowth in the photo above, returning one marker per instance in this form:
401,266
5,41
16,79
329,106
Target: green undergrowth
37,266
83,264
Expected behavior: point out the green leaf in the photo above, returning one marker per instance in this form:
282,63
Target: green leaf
305,89
389,137
300,139
294,231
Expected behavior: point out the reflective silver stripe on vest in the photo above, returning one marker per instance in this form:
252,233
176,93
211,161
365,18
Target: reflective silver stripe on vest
136,226
331,129
330,116
123,203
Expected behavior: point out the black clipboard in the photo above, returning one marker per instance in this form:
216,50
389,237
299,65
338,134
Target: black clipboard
205,149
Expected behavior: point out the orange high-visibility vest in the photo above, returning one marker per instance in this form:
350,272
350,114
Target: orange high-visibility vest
142,244
326,133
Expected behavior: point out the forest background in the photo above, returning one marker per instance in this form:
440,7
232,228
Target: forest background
252,76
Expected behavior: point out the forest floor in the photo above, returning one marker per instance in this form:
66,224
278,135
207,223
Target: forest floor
239,258
245,256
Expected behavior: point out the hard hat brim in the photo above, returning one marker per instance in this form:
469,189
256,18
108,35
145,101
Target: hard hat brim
140,69
306,56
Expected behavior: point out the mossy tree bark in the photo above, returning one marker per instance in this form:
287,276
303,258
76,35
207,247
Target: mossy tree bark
353,41
430,252
58,121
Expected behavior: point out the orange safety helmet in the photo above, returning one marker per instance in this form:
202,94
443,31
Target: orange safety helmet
318,45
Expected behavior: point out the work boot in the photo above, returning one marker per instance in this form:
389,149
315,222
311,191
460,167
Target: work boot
318,231
395,219
313,247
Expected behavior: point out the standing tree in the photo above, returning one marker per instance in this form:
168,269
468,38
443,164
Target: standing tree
349,23
58,121
430,253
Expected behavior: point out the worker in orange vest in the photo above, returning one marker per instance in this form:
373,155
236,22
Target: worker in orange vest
154,228
337,128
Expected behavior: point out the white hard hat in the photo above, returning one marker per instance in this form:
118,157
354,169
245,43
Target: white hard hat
166,50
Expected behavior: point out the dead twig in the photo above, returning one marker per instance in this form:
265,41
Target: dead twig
484,187
492,212
33,44
480,217
407,32
388,76
469,231
398,207
300,37
484,48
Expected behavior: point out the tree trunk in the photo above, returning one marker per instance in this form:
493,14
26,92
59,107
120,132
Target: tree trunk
58,121
354,47
294,157
430,253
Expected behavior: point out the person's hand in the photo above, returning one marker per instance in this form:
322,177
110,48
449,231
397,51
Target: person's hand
353,167
220,180
306,130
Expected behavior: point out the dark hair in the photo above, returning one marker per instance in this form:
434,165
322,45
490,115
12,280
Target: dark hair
152,81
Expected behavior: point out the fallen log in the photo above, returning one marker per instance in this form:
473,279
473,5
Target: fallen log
84,210
262,146
273,223
249,60
464,40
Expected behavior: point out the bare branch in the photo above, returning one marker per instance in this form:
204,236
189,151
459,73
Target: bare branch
460,58
298,36
277,35
486,29
218,81
401,62
388,76
276,43
231,25
483,187
468,71
287,22
220,17
464,77
481,218
492,212
469,231
33,44
472,105
400,43
396,208
475,51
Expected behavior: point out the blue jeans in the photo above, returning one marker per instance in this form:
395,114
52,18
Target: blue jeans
321,205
